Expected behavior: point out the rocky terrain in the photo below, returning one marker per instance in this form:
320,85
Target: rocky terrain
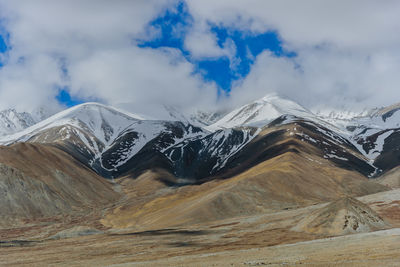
268,183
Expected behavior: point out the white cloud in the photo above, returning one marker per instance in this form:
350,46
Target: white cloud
140,77
26,82
203,44
347,52
308,22
95,40
325,79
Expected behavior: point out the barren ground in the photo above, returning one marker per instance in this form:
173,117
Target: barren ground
266,239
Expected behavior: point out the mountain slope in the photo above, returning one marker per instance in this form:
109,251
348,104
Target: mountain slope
39,181
390,178
288,181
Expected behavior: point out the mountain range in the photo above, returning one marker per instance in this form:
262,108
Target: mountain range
111,170
113,142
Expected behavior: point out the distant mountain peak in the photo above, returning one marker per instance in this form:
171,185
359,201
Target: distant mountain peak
12,121
199,118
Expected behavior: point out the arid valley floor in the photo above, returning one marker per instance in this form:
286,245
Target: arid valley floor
275,239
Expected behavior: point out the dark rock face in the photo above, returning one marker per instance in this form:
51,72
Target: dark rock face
120,146
193,157
151,155
203,157
390,155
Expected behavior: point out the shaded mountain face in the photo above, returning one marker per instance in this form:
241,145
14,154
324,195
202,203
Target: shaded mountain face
114,143
198,118
205,156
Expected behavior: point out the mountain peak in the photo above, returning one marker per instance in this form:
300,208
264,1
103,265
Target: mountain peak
101,107
270,96
262,111
94,117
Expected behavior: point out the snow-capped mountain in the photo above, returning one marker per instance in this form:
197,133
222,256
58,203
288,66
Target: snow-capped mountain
114,142
198,118
344,113
12,121
101,121
260,112
103,137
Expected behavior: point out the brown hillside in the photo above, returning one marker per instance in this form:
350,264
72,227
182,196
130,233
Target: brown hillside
390,178
287,181
39,181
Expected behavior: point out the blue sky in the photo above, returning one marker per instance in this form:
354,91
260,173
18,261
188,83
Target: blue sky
65,98
3,46
174,25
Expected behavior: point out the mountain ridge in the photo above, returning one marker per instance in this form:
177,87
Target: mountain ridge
106,138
